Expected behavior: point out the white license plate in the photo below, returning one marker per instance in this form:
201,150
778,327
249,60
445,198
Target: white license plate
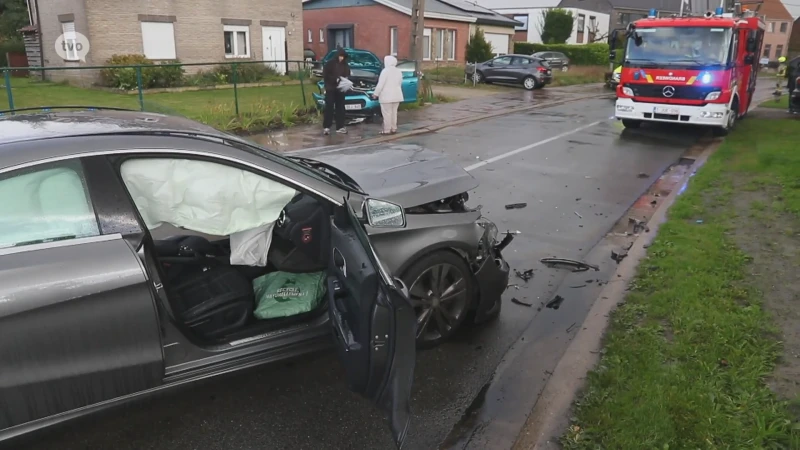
663,110
351,107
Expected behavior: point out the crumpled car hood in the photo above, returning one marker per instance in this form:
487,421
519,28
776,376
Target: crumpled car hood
406,174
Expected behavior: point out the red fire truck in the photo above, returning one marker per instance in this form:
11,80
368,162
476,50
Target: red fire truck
690,69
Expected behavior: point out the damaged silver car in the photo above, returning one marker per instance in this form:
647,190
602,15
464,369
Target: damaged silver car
140,252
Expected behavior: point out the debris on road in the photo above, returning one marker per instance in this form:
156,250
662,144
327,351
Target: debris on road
577,266
555,303
578,286
515,286
638,225
516,205
525,276
643,175
571,327
618,255
521,303
579,216
700,221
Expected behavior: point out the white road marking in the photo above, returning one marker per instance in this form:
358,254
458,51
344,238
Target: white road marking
528,147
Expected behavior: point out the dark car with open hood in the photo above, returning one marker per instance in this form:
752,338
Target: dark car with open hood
140,252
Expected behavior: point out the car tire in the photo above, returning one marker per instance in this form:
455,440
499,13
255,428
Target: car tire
529,83
629,123
564,68
478,77
438,316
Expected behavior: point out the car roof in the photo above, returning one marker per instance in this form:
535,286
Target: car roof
40,126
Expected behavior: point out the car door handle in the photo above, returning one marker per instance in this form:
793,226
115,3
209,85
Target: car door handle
339,261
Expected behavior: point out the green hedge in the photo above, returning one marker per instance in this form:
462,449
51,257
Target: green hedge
9,46
153,75
579,55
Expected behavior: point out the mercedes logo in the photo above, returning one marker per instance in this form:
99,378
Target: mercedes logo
668,91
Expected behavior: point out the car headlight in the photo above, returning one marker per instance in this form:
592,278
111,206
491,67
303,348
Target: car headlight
627,91
713,96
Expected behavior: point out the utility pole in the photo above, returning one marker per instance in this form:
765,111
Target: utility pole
417,31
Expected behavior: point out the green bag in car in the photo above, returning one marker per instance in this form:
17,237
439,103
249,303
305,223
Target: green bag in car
284,294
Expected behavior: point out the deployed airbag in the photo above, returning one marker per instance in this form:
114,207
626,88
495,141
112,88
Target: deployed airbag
284,294
47,204
203,196
250,247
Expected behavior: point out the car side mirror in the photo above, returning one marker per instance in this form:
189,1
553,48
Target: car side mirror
612,40
749,59
490,63
383,214
751,44
612,56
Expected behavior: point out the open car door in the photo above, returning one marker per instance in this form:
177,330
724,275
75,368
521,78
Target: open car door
373,322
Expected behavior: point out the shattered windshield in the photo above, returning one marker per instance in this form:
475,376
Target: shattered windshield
358,59
684,46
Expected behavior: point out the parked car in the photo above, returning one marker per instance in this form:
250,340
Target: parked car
557,60
531,72
133,248
365,68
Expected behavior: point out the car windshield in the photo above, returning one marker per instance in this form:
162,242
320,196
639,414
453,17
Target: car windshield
684,46
358,58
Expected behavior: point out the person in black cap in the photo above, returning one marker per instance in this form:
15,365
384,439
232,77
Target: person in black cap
334,70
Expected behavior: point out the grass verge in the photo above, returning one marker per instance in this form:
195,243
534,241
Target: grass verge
689,354
259,106
782,103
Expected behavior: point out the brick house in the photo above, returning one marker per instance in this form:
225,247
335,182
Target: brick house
384,27
779,29
192,31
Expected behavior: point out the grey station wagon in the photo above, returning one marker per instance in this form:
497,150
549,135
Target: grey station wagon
140,252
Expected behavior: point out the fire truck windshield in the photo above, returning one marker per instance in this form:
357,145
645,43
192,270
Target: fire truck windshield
678,46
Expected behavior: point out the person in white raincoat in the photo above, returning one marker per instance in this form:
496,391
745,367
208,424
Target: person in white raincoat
389,93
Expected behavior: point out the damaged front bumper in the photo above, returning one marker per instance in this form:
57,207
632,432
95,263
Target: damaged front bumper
357,105
491,272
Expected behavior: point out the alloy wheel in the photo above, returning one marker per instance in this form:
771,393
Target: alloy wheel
440,299
529,83
478,77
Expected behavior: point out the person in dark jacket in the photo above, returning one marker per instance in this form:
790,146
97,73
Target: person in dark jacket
334,70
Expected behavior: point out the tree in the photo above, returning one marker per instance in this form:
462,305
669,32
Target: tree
555,26
478,50
13,16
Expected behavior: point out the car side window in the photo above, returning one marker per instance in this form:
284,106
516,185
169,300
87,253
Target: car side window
45,203
522,61
502,61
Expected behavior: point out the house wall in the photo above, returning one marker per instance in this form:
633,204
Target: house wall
371,29
51,30
776,38
536,20
113,27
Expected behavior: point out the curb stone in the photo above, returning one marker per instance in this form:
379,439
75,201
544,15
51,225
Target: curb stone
550,417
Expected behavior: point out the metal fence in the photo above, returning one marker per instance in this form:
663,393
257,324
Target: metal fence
449,73
191,90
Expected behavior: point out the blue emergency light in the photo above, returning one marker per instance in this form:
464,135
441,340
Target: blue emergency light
719,11
705,78
653,13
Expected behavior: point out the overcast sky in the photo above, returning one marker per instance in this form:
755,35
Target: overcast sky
793,6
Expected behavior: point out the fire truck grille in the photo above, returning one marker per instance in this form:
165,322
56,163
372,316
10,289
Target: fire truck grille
678,92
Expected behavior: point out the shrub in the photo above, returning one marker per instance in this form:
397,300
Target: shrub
582,55
478,50
556,25
246,73
153,75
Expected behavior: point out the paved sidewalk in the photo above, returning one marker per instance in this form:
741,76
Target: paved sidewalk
490,102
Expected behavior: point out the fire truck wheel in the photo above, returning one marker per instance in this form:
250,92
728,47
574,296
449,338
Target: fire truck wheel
628,123
732,113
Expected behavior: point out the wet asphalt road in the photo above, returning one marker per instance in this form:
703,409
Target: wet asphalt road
560,161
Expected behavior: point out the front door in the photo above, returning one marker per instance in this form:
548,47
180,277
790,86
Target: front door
77,314
274,42
340,38
374,323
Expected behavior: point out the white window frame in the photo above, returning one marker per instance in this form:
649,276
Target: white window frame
524,26
393,35
70,41
235,41
771,28
427,33
440,44
452,35
322,35
310,37
159,48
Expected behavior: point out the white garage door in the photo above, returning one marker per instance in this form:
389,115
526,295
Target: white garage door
499,42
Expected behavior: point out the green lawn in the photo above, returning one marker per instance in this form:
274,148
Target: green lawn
688,356
204,105
782,103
